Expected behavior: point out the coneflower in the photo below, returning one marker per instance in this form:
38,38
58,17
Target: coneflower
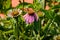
30,17
14,12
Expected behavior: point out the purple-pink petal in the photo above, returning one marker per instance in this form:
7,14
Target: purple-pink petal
30,18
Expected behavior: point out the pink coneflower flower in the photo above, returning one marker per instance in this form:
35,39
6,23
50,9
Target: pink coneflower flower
30,18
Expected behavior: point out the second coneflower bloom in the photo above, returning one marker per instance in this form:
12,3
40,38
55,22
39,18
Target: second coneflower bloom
14,13
30,17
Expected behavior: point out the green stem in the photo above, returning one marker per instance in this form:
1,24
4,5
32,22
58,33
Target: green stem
17,29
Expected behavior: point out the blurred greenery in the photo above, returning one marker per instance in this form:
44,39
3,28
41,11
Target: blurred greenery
16,29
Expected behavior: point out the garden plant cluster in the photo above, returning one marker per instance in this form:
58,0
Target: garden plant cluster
29,19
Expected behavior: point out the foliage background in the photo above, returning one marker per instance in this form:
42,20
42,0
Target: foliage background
16,28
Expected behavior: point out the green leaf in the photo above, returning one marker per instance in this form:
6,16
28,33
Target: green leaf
56,7
8,4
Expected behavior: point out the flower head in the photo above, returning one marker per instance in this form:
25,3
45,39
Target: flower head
30,18
14,13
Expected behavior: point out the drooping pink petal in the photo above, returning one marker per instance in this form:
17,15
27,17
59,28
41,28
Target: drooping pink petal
15,3
30,18
36,16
